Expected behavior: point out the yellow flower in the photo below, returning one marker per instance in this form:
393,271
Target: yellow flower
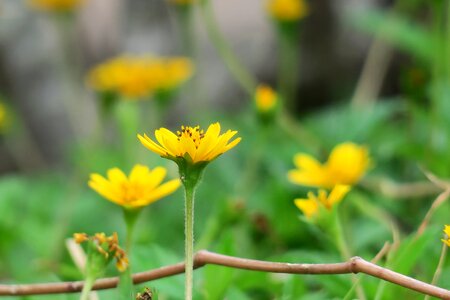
346,164
310,206
182,2
137,77
2,117
191,143
447,235
141,188
56,5
265,98
287,10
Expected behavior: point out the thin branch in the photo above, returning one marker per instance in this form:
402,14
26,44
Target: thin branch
434,206
402,191
440,266
202,258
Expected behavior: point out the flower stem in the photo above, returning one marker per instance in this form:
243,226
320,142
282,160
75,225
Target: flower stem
288,64
189,239
130,216
438,272
87,287
344,250
236,68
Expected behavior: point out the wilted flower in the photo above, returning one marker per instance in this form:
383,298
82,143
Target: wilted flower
102,249
447,235
287,10
141,188
56,5
136,77
311,206
346,164
191,144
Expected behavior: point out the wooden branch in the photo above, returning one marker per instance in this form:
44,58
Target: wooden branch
202,258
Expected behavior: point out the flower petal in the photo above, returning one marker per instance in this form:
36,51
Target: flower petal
338,193
151,145
160,192
307,206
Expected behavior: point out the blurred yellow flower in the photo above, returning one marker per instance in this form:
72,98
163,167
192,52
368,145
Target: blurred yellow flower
80,237
141,188
107,246
287,10
2,117
191,143
137,77
346,164
310,206
447,235
265,98
56,5
182,2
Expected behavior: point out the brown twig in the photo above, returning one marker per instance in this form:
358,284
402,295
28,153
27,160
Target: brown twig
440,266
202,258
434,206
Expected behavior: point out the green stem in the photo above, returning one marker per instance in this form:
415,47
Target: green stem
189,239
125,287
130,216
288,63
244,78
185,16
447,39
438,272
345,252
87,287
192,90
341,242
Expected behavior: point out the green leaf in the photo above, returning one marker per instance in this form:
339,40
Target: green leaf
217,278
125,286
397,30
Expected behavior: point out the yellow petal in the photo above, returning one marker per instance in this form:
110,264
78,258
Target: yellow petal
306,162
138,172
105,188
160,192
151,145
154,178
188,147
307,206
338,193
447,242
347,163
209,140
447,230
317,179
116,176
169,141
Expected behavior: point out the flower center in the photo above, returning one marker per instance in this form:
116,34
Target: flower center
132,191
193,133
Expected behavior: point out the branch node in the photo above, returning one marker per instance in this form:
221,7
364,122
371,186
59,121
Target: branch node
354,264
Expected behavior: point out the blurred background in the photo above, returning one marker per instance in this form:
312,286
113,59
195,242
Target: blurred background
376,73
38,49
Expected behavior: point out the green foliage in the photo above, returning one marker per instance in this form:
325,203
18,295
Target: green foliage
244,202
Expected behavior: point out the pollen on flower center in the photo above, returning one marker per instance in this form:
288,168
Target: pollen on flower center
193,133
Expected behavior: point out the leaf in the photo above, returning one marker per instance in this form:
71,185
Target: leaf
217,278
397,30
